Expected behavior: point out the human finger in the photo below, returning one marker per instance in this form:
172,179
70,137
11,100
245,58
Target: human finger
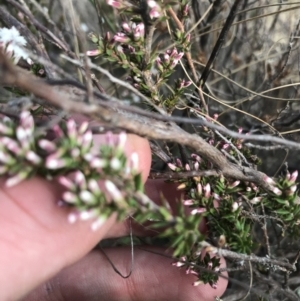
153,278
36,239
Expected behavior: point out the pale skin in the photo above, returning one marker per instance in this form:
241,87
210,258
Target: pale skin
44,257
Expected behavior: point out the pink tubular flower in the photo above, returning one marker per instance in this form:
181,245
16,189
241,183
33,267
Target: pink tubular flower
197,283
126,27
292,190
69,197
198,211
184,84
159,64
94,52
16,179
180,263
154,13
294,176
139,31
166,58
113,191
155,9
269,180
121,38
134,161
185,10
255,200
72,217
47,145
71,129
26,120
207,190
199,189
66,182
97,224
33,157
235,206
115,4
277,191
172,166
234,184
188,202
79,178
53,162
196,157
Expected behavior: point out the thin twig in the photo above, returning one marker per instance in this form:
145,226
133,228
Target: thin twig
219,43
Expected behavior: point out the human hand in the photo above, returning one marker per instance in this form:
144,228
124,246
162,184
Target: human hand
38,244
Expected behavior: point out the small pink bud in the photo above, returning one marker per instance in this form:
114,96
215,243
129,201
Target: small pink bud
197,283
199,189
97,163
196,157
166,58
115,164
80,179
66,182
234,184
294,176
97,224
69,197
154,13
16,179
72,217
178,162
113,3
256,200
185,10
122,138
172,166
292,190
52,162
151,3
113,191
188,202
26,120
178,264
235,206
87,138
207,190
126,27
33,157
181,186
139,31
225,146
93,186
269,180
121,38
198,211
94,52
277,191
87,214
86,196
216,197
134,161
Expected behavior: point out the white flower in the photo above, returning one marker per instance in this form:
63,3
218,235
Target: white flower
13,43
